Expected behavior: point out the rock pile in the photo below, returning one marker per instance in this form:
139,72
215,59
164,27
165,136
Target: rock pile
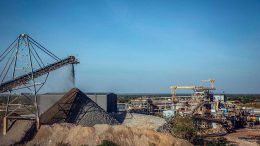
76,107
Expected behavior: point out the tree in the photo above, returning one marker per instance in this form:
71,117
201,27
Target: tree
183,127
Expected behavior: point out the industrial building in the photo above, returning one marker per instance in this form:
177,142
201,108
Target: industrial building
107,101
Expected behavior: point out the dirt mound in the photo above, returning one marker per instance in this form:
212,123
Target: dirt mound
92,136
76,107
18,133
143,121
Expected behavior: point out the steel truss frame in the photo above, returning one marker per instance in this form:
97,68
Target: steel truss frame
29,105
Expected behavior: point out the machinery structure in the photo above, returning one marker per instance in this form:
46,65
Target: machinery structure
200,93
194,88
211,81
25,66
211,112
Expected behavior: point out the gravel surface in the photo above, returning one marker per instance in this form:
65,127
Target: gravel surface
17,133
143,121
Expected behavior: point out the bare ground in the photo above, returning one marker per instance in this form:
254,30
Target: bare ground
119,134
245,137
18,133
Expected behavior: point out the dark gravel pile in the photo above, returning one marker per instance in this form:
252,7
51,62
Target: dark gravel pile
76,107
86,112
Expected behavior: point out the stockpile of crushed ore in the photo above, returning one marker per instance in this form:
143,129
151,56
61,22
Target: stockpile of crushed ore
76,107
73,135
143,121
20,132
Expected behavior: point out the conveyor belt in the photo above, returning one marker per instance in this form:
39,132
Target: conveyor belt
18,81
226,124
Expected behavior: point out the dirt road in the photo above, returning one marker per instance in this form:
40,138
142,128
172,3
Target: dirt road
245,137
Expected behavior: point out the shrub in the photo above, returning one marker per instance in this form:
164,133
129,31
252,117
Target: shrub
62,144
1,115
183,127
258,142
107,143
221,141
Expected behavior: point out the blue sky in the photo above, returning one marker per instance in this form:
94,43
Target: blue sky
144,46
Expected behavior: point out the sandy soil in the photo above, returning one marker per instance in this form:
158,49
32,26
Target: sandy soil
239,136
134,128
16,133
119,134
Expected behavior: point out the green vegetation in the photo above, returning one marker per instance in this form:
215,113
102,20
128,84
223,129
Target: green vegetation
123,99
253,105
258,142
183,127
1,115
221,141
62,144
246,100
107,143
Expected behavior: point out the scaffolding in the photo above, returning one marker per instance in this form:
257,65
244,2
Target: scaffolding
24,71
